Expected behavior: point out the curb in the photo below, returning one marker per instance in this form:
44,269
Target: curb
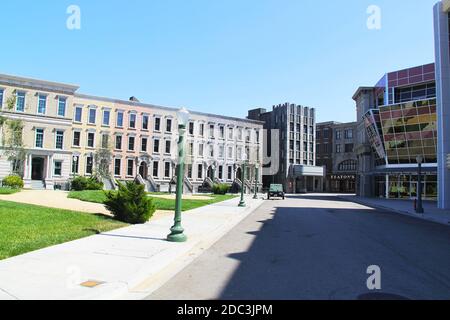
402,212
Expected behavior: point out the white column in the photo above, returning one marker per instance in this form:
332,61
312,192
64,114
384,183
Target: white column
387,186
49,166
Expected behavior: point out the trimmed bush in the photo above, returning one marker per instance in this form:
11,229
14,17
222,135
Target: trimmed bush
130,204
83,184
221,188
13,181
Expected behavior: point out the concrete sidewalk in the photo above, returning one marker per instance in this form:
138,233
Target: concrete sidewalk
406,207
129,263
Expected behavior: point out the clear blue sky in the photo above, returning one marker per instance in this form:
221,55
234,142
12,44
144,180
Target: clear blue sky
220,56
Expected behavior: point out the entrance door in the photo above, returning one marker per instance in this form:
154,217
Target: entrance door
239,174
37,169
210,173
143,170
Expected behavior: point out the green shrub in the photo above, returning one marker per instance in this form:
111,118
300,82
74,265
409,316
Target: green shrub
13,181
83,183
130,204
221,188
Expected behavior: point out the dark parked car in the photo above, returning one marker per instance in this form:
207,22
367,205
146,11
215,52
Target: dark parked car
275,190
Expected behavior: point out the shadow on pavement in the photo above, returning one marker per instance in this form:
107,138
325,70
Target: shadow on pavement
311,253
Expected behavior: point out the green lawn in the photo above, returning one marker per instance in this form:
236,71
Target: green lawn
25,228
161,204
5,190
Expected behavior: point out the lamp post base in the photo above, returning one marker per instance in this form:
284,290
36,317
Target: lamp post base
242,204
177,235
255,197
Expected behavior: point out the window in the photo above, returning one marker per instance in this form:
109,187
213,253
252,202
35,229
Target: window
92,115
75,164
156,146
338,148
119,120
89,165
222,132
59,140
118,142
169,125
144,143
230,152
211,131
348,165
211,151
221,152
248,136
78,114
130,167
106,117
191,128
39,141
202,130
168,146
240,134
42,104
257,136
220,172
117,167
131,141
338,134
20,101
230,134
156,169
1,98
348,134
91,140
132,123
200,171
349,147
189,171
76,138
57,168
158,124
145,121
201,150
167,170
230,173
62,101
105,141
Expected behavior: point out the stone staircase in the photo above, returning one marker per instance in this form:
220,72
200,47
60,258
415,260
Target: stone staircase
37,185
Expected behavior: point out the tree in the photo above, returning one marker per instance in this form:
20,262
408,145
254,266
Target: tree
13,139
103,158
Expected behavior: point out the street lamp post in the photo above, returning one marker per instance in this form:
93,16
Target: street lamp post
419,208
242,202
177,231
256,182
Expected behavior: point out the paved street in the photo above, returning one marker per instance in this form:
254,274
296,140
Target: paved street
319,247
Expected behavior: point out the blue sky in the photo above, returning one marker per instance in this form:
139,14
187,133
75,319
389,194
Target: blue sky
218,56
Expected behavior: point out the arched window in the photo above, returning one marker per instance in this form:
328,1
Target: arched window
348,165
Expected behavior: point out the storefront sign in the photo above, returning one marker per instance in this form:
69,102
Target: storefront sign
342,177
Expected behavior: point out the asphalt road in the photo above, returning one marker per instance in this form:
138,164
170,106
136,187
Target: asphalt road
319,247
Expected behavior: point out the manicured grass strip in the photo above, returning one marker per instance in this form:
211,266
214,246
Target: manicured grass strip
161,204
25,228
4,190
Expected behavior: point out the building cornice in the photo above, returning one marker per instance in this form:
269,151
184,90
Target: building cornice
35,84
